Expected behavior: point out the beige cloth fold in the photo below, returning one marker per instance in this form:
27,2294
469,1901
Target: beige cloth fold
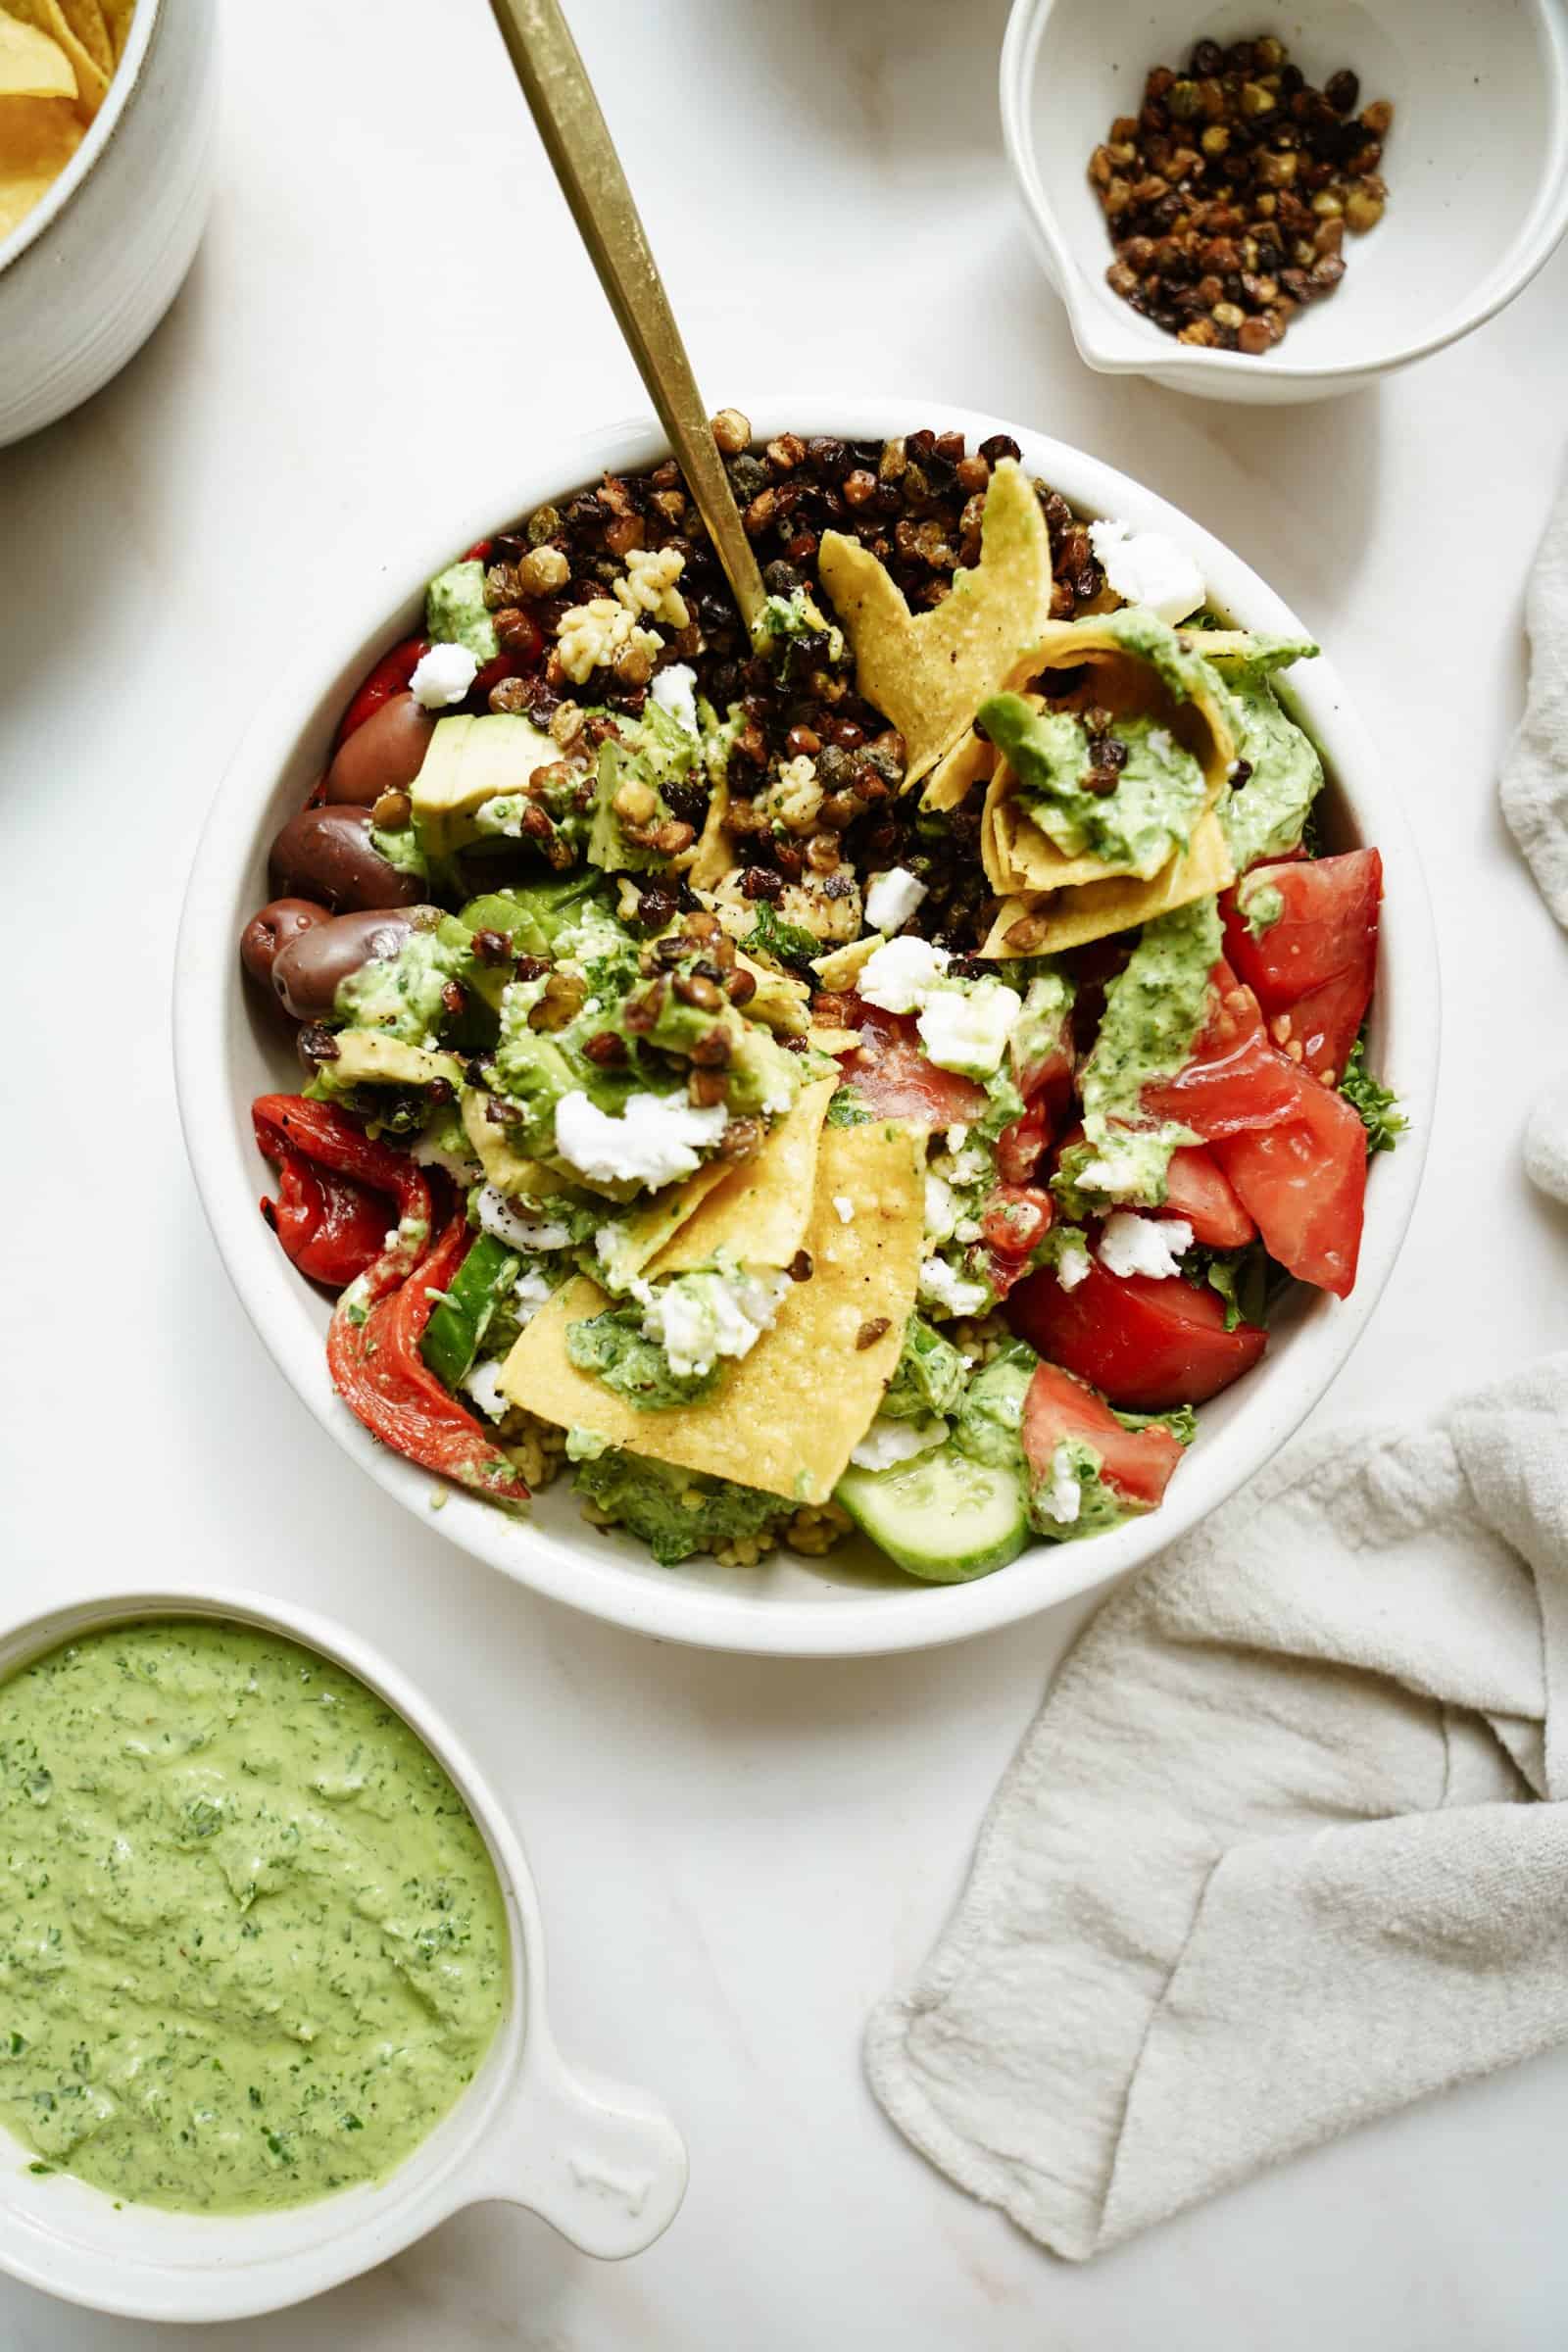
1286,1847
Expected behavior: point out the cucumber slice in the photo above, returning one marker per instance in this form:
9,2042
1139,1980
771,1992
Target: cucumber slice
942,1516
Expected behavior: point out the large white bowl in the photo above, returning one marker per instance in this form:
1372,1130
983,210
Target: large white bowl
1476,170
603,2164
227,1051
87,276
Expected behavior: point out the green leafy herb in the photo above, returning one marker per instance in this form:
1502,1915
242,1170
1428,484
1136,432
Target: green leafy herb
1240,1276
846,1109
786,943
1374,1104
1182,1423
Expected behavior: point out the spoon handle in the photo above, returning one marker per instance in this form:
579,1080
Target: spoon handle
577,141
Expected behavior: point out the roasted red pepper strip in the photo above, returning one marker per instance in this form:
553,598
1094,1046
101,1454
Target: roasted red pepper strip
330,1227
327,1215
372,1350
389,677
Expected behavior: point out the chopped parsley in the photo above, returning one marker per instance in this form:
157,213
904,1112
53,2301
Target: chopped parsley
1374,1104
786,943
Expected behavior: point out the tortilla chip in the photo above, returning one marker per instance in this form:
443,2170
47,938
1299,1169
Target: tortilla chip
46,16
970,760
1018,854
86,21
712,858
786,1417
761,1211
116,16
841,968
781,1001
1096,910
655,1227
929,672
39,136
836,1041
31,64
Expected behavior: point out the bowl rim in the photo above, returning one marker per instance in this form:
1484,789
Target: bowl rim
580,1569
521,2088
100,135
1147,351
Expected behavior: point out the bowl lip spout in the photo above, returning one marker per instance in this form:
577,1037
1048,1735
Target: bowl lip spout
586,1569
1113,347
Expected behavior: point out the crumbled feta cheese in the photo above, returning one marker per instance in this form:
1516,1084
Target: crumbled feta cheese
967,1229
1063,1499
900,976
1153,1246
941,1208
958,1136
944,1288
1072,1264
443,675
648,585
529,1293
428,1151
658,1138
498,1216
483,1384
886,1442
1147,569
844,1208
592,635
698,1317
967,1030
675,690
892,898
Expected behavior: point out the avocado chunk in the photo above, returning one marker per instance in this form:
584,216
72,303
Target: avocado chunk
371,1057
471,762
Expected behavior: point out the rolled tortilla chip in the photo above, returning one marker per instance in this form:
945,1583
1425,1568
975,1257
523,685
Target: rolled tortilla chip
1062,919
969,762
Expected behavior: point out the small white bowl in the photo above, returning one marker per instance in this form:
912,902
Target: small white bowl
1477,168
602,2164
87,276
226,1051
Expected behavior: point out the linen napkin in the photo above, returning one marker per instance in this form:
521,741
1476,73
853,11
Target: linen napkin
1286,1847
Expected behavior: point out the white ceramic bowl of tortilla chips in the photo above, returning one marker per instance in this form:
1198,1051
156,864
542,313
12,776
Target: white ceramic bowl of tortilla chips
89,271
850,1602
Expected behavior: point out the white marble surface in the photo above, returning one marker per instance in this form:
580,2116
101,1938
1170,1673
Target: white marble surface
735,1857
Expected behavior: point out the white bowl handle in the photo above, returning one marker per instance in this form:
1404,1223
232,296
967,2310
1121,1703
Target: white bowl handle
600,2162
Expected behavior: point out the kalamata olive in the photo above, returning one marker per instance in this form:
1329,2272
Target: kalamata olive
384,754
269,933
327,853
309,970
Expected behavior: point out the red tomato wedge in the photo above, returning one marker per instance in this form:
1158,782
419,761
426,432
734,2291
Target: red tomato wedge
1232,1079
1149,1346
1328,926
379,1373
389,677
1021,1146
1015,1220
1320,1029
1135,1463
333,1210
893,1074
1197,1189
1305,1183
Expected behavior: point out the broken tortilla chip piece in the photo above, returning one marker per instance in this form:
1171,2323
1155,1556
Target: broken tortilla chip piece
712,856
31,64
929,672
39,136
1061,919
762,1207
786,1417
969,762
48,18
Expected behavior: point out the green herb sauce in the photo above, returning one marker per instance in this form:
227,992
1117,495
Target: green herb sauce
252,1946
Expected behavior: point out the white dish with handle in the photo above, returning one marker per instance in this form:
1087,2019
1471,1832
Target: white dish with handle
602,2164
847,1604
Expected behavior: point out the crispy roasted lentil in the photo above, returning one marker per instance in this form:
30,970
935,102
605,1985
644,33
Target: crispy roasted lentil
1229,192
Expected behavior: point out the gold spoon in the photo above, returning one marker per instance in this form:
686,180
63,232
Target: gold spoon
577,141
